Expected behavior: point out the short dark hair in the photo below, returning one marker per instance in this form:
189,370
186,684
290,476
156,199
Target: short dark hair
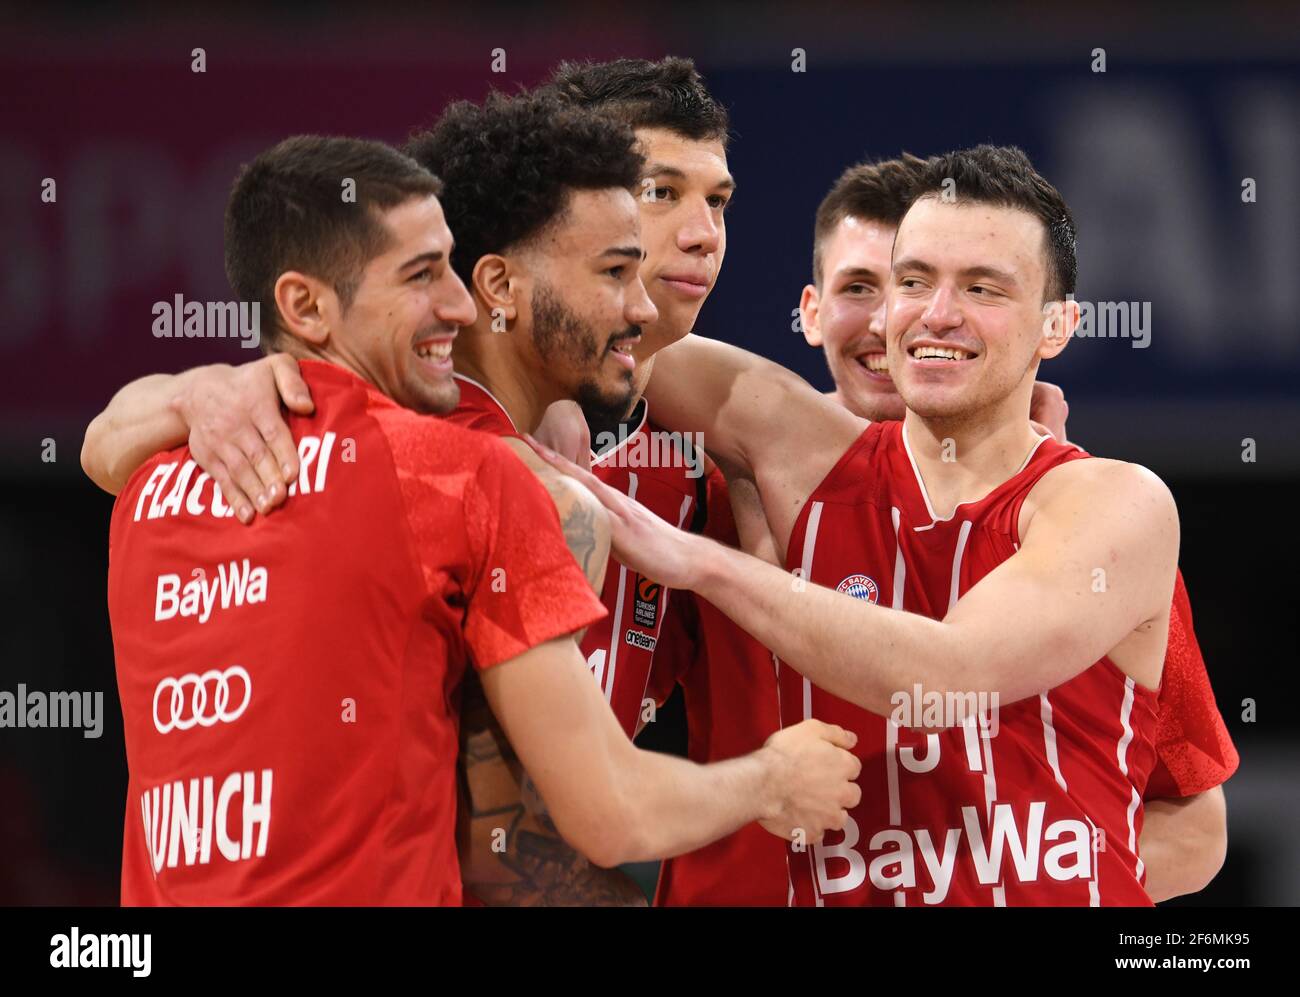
1004,176
669,93
287,212
877,192
510,164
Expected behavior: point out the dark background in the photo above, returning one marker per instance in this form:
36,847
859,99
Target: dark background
1150,154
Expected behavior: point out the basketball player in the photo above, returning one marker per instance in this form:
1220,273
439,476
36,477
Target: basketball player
363,295
689,198
682,193
729,687
539,270
550,339
964,491
1184,833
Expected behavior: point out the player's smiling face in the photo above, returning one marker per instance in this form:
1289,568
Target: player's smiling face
585,302
965,321
406,311
683,194
846,317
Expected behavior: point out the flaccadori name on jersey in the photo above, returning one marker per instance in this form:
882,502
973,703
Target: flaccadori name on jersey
653,448
842,867
171,492
233,584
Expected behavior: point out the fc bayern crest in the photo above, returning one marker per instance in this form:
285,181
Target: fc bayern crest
860,587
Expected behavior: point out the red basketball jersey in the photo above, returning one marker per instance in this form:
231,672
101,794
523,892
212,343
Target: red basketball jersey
728,681
655,468
479,409
290,689
1194,750
663,472
1035,803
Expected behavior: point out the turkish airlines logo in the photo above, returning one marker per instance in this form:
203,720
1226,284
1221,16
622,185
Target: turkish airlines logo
188,702
645,607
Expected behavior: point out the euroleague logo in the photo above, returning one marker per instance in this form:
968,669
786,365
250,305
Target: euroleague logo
645,602
860,587
187,709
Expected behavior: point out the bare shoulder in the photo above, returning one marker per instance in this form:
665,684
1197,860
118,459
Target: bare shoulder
1101,476
809,418
1102,490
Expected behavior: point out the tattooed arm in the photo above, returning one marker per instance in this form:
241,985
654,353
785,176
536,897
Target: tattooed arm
510,852
583,519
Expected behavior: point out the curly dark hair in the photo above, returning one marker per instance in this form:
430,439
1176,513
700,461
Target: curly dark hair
508,166
1003,175
669,93
879,192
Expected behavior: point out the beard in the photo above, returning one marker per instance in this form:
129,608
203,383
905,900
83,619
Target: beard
567,344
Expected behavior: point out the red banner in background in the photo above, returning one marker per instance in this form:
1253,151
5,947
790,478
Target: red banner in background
141,150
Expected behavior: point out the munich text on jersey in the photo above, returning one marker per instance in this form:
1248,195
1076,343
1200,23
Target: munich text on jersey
23,709
181,821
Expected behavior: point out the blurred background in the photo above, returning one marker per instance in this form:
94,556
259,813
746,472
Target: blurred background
1152,155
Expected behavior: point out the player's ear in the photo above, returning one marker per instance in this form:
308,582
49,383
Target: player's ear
497,284
308,307
1060,319
809,315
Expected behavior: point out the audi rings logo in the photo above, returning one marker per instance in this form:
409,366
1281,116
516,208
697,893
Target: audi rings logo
186,701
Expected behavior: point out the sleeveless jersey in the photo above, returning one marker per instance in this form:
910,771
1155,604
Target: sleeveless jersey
1035,803
653,467
728,682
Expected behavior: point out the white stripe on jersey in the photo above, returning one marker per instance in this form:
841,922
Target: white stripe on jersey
900,566
805,567
1121,751
1049,745
1049,737
891,747
962,537
990,794
1094,894
891,772
686,507
805,572
667,592
980,724
618,608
